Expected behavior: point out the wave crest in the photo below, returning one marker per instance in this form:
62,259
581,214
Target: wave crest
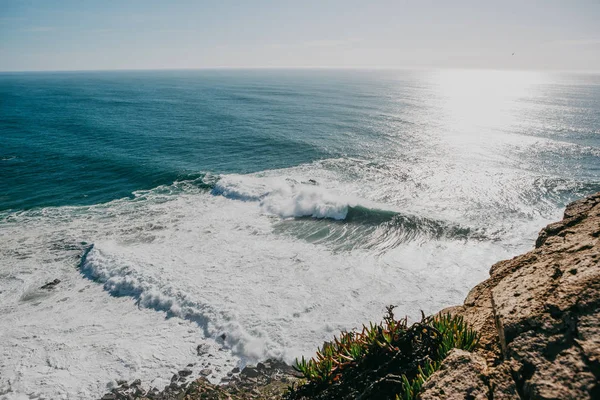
317,215
285,198
127,278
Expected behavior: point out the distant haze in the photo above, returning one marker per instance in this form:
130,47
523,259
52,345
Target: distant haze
98,35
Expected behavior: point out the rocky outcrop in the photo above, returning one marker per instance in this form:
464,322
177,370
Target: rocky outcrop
267,380
539,319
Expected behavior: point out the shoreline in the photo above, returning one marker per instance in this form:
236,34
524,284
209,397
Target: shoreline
537,316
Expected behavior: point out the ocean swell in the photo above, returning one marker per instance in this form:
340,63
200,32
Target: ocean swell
285,198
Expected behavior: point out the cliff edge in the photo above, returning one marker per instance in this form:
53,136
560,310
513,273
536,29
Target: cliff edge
538,316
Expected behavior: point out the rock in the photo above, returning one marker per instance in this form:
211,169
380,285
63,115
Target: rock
236,370
538,314
269,383
50,285
250,372
201,349
461,376
109,396
185,372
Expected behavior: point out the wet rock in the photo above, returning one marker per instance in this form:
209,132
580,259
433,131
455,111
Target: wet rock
270,383
250,371
51,285
202,349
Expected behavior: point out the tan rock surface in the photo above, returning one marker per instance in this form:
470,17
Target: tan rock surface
539,313
462,375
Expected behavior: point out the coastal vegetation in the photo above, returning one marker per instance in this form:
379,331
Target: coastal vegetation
389,360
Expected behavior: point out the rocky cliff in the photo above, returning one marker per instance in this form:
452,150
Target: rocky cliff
539,319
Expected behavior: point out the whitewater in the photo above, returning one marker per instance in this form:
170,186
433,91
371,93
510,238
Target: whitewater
237,264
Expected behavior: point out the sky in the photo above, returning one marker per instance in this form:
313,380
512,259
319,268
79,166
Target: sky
147,34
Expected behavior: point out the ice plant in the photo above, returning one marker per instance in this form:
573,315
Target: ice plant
389,360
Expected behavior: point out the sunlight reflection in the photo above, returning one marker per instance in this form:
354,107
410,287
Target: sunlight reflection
476,99
478,109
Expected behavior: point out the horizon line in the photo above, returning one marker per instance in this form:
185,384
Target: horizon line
363,68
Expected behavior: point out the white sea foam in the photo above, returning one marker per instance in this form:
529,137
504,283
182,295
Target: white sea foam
179,266
466,172
284,197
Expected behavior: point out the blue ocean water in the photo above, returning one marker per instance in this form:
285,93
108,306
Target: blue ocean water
275,206
90,137
83,138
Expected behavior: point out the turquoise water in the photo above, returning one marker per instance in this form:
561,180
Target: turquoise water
83,138
90,137
275,206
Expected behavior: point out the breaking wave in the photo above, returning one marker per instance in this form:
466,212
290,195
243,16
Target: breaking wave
127,278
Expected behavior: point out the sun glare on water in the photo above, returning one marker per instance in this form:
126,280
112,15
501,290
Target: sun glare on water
473,99
477,110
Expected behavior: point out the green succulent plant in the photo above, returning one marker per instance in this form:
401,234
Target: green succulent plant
388,360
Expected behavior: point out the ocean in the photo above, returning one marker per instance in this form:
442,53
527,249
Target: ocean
246,214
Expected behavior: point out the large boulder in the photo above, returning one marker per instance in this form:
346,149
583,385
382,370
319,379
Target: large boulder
539,314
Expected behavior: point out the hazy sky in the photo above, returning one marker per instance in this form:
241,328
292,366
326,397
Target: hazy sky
80,34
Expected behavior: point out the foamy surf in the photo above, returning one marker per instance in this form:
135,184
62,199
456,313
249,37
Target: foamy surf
181,265
330,195
285,198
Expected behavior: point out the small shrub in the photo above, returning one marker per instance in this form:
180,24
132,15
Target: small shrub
389,360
